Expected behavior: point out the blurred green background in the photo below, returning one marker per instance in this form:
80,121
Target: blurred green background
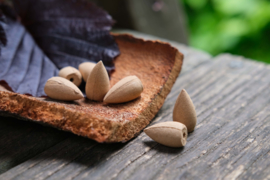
239,27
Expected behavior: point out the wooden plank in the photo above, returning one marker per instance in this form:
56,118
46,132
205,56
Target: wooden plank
231,95
20,141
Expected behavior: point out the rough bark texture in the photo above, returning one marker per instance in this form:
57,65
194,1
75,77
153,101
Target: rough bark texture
230,141
156,64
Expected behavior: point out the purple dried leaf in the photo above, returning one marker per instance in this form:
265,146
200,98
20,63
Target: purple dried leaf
57,33
8,11
3,38
23,65
69,32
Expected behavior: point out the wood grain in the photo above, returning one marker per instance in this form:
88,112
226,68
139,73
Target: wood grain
230,141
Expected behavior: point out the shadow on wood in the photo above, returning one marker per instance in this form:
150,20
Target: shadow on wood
21,141
163,149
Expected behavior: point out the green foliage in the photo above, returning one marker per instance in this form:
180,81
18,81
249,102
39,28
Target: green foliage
236,26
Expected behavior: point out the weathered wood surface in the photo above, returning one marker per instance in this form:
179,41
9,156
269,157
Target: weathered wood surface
231,140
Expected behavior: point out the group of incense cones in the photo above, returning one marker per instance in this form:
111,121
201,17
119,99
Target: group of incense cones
174,133
97,86
65,88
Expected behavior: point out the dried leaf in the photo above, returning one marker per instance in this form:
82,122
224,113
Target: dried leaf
68,32
5,10
3,38
23,65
